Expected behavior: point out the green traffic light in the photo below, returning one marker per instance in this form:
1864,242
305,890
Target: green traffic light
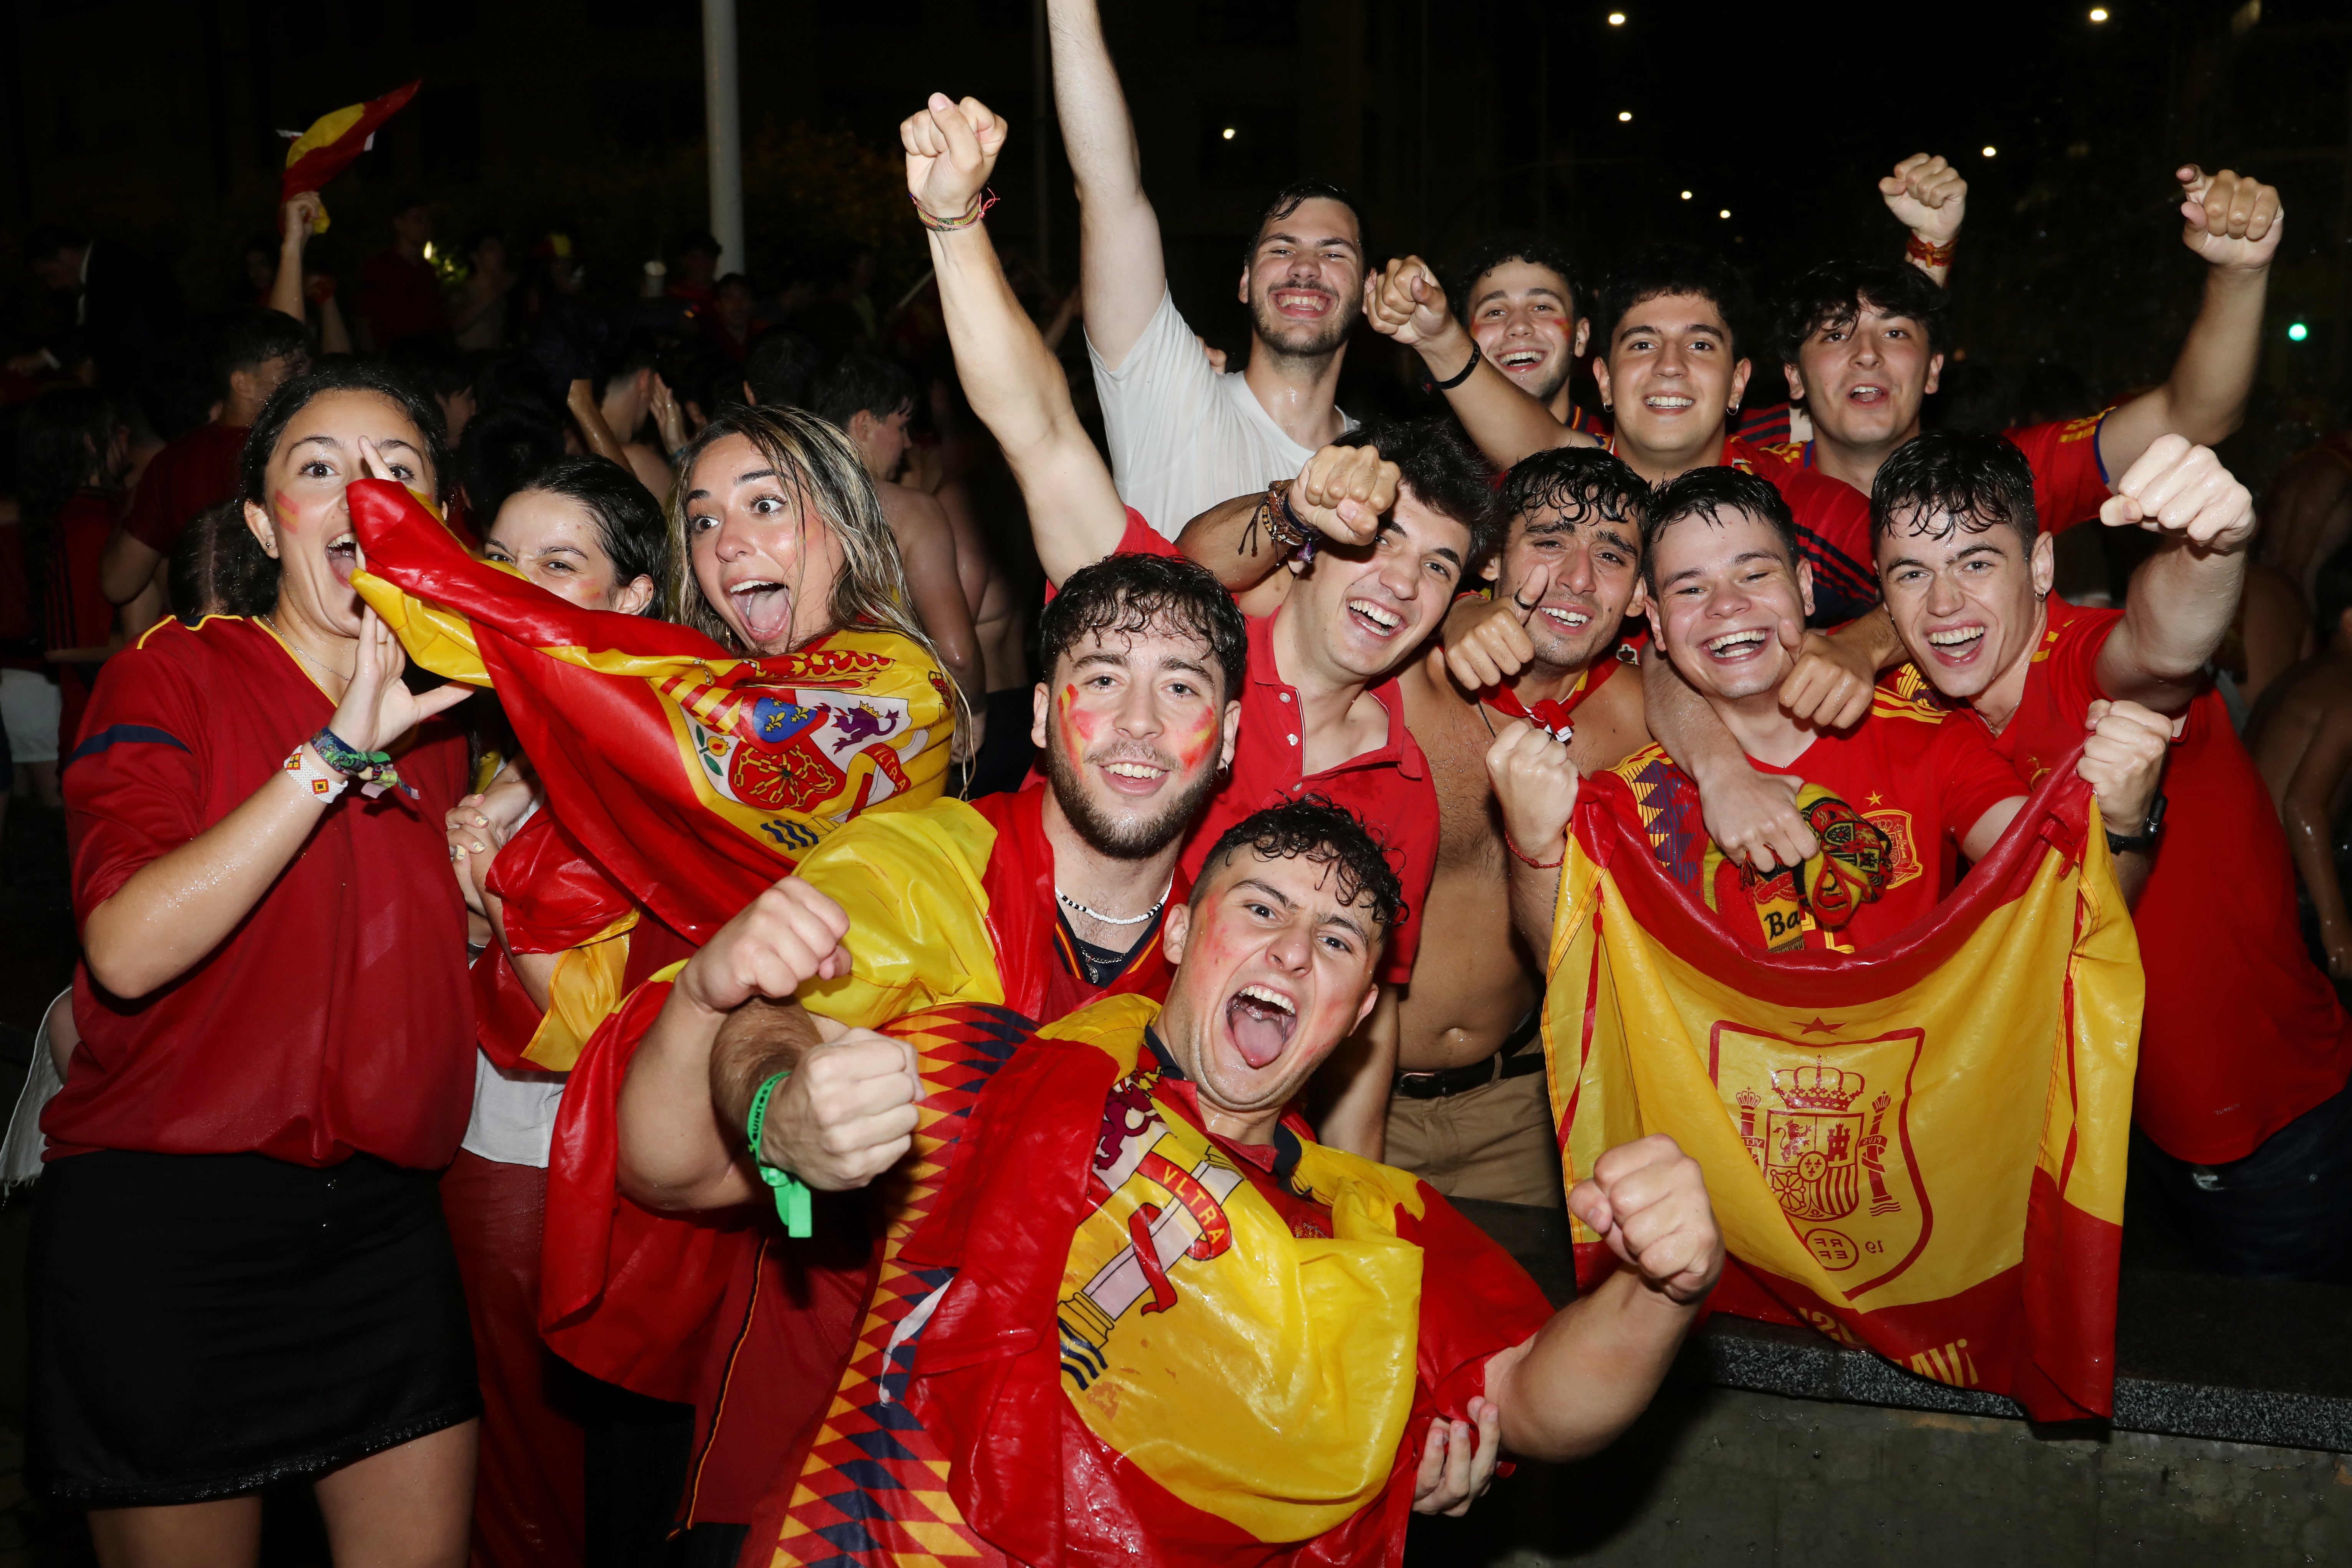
2298,332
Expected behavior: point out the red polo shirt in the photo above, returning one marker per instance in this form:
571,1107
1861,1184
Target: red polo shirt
2243,1033
197,470
1387,787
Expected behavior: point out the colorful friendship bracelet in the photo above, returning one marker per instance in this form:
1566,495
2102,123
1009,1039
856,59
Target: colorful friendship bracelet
979,209
1929,254
791,1193
374,770
315,776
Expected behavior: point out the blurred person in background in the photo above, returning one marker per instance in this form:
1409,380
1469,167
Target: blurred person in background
400,292
72,452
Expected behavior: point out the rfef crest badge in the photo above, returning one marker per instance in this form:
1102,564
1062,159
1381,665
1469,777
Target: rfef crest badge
1827,1124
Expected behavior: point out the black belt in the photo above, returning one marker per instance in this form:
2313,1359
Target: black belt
1509,1060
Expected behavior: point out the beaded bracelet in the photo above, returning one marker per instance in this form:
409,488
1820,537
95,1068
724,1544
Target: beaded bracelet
979,209
373,769
791,1193
1527,859
315,776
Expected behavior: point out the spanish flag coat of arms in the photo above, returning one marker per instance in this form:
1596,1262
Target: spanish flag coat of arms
1919,1148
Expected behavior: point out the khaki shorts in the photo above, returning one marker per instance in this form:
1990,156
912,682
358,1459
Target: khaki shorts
1495,1141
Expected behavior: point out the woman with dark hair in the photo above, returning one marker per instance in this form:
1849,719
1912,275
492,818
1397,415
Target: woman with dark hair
72,452
586,531
239,1269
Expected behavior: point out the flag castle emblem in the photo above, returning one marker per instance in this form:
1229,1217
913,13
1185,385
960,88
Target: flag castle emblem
1839,1165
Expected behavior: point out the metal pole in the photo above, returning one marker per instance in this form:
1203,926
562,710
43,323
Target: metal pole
723,118
1041,83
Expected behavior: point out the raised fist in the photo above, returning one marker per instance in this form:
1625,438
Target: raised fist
1928,196
1406,301
950,148
846,1114
2182,492
2123,757
1535,784
2230,219
302,214
1344,491
1648,1201
787,936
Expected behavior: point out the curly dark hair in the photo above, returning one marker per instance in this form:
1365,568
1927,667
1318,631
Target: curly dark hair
1975,481
1514,245
1326,834
1708,493
1297,194
1580,482
1658,270
1446,472
1136,594
1834,293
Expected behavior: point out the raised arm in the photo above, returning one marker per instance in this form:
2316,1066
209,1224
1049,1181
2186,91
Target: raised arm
2182,598
1928,197
1016,386
1122,273
1340,495
2233,223
286,289
1406,303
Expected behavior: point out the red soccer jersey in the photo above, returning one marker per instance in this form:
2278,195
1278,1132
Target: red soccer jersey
2243,1033
1922,780
334,1020
400,297
76,609
1388,786
198,471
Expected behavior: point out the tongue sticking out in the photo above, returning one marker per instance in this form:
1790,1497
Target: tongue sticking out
767,613
1260,1029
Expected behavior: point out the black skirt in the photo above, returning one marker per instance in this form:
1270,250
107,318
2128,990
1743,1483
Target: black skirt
206,1324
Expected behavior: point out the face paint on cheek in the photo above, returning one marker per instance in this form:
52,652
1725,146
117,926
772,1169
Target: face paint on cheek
1079,727
1195,748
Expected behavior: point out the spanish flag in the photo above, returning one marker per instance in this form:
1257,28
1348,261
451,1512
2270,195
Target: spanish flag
1919,1148
694,778
334,143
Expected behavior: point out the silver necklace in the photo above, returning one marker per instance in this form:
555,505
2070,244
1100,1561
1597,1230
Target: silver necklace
301,652
1077,907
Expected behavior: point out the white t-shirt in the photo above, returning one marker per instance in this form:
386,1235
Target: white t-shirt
1184,437
514,1112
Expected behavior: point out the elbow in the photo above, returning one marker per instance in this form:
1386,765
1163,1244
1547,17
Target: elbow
119,966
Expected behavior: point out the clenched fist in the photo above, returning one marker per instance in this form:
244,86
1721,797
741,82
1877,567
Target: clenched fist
1407,302
950,148
1648,1201
1535,784
2230,219
1344,491
787,936
2182,492
2123,757
1928,196
846,1114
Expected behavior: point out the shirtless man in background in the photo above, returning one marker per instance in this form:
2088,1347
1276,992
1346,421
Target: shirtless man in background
2301,738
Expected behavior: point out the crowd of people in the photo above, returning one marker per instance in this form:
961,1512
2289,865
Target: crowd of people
1055,1154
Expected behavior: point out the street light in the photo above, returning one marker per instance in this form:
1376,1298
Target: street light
1686,195
1228,134
2099,13
1616,19
1989,151
1624,116
1725,213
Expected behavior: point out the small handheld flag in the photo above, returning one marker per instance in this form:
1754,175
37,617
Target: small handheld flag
335,140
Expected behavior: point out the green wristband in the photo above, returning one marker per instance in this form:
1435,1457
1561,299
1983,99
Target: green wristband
791,1193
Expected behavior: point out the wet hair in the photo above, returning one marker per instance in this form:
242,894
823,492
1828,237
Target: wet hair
861,383
249,338
1708,493
2331,593
1514,245
218,568
820,468
340,375
1976,481
1658,270
1134,595
1326,834
1580,481
1446,472
781,367
629,522
1834,294
1293,196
